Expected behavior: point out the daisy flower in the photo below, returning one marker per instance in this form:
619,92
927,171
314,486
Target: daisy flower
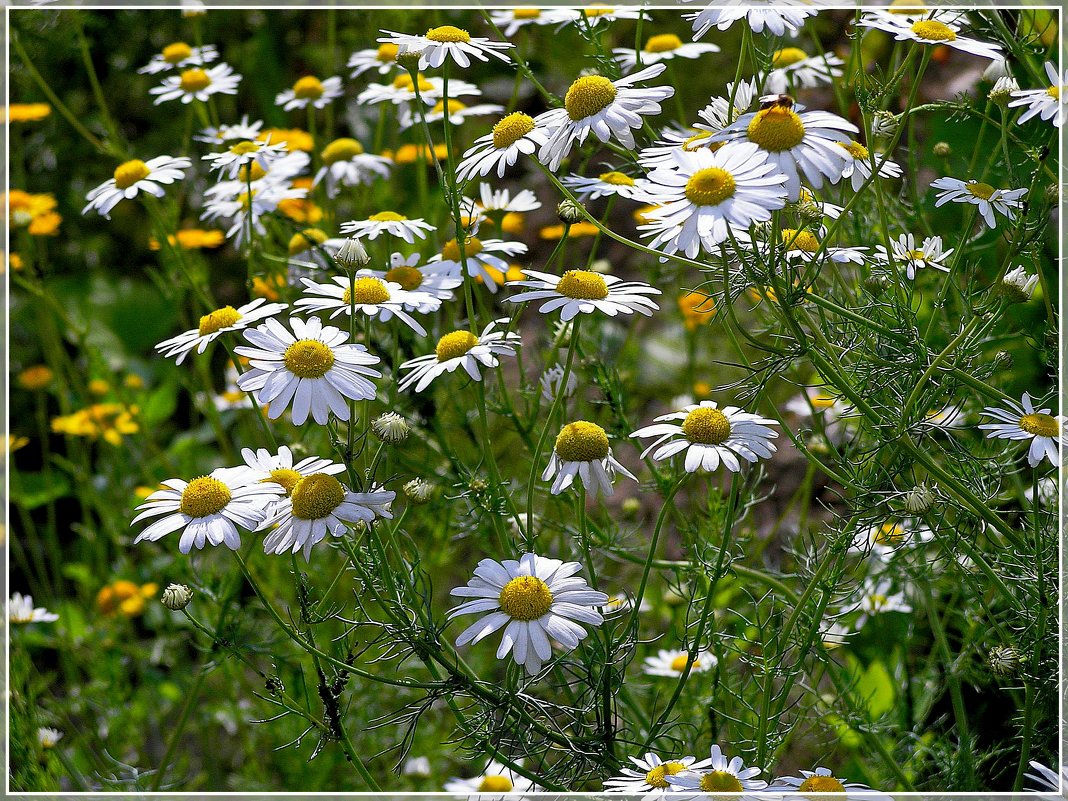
1023,421
723,111
228,133
701,194
1047,779
777,20
496,204
904,251
495,782
282,470
803,245
889,537
369,294
402,89
717,774
314,368
132,177
458,112
1018,285
594,13
858,165
661,47
511,20
346,164
310,89
241,206
387,222
551,380
512,136
710,436
797,143
793,68
930,31
20,609
215,324
208,509
197,84
447,41
1048,104
248,151
47,738
986,197
317,505
482,258
382,58
672,663
650,776
430,279
179,55
610,109
582,450
584,292
821,780
611,183
877,597
461,349
532,599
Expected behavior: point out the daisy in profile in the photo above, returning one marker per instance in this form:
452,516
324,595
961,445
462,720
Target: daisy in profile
1022,421
700,195
532,599
197,84
447,41
403,90
710,436
133,177
821,780
1048,780
858,165
793,68
778,21
1018,285
243,209
317,505
803,245
236,132
20,609
387,222
884,540
511,137
877,597
717,774
938,32
672,663
648,776
510,20
208,510
496,781
310,90
244,153
461,349
662,47
904,251
346,164
47,738
283,470
215,324
723,111
584,292
986,197
368,294
179,55
418,280
495,205
458,112
383,59
582,450
482,258
609,109
1047,104
595,13
551,381
314,368
607,184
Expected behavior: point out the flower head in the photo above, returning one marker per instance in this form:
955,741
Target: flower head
20,609
582,450
1023,421
197,83
584,292
460,349
977,193
135,176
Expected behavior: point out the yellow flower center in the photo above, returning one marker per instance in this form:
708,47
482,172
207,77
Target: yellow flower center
366,291
450,251
405,82
906,7
316,496
679,663
511,129
495,784
980,190
856,150
308,88
526,13
387,216
916,255
130,172
285,477
662,43
705,426
387,53
710,186
244,148
776,128
889,534
821,784
1040,425
582,285
218,319
343,149
247,173
204,496
800,240
408,277
525,598
615,178
454,106
655,777
454,345
787,56
194,80
581,442
1054,92
308,358
933,30
177,52
448,33
589,95
720,781
598,10
304,240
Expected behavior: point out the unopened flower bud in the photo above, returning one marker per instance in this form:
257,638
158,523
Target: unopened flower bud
631,507
1004,660
418,490
391,427
1017,286
550,383
1002,361
919,499
808,211
587,72
409,59
884,123
1053,194
176,597
352,255
571,212
876,284
1003,89
942,150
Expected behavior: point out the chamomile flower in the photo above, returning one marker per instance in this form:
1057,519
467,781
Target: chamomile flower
245,208
671,663
196,83
209,509
1047,779
482,258
858,165
495,782
582,450
986,197
382,58
717,774
710,436
510,20
48,738
609,109
179,55
584,292
1022,421
661,47
903,250
821,780
1018,285
793,68
283,470
511,137
402,90
804,245
346,164
244,153
776,20
317,505
649,775
135,176
238,131
938,32
310,90
877,597
215,324
702,194
447,41
418,281
1047,104
884,540
368,294
312,367
387,222
551,381
723,111
495,204
458,112
607,184
461,349
591,15
20,609
532,599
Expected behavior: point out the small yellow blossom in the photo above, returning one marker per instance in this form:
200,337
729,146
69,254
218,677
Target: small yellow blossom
27,112
108,420
697,309
292,138
36,377
191,239
577,230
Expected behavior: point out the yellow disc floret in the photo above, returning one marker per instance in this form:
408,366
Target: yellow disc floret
305,240
582,285
204,496
130,172
1040,425
495,784
662,43
710,187
589,95
194,80
454,107
1054,92
344,149
177,53
656,777
526,13
720,781
454,345
800,240
980,190
679,663
787,56
933,30
405,82
448,33
581,442
387,216
366,291
316,496
856,150
387,53
511,129
244,148
286,477
615,178
308,358
308,88
775,129
218,319
706,426
821,784
525,598
408,277
450,251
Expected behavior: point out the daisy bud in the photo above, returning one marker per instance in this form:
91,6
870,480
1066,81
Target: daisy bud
631,507
418,490
876,284
352,255
809,212
1003,90
1003,660
409,59
1002,361
274,685
1053,194
884,123
919,499
391,427
571,212
942,150
1017,286
176,597
550,383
